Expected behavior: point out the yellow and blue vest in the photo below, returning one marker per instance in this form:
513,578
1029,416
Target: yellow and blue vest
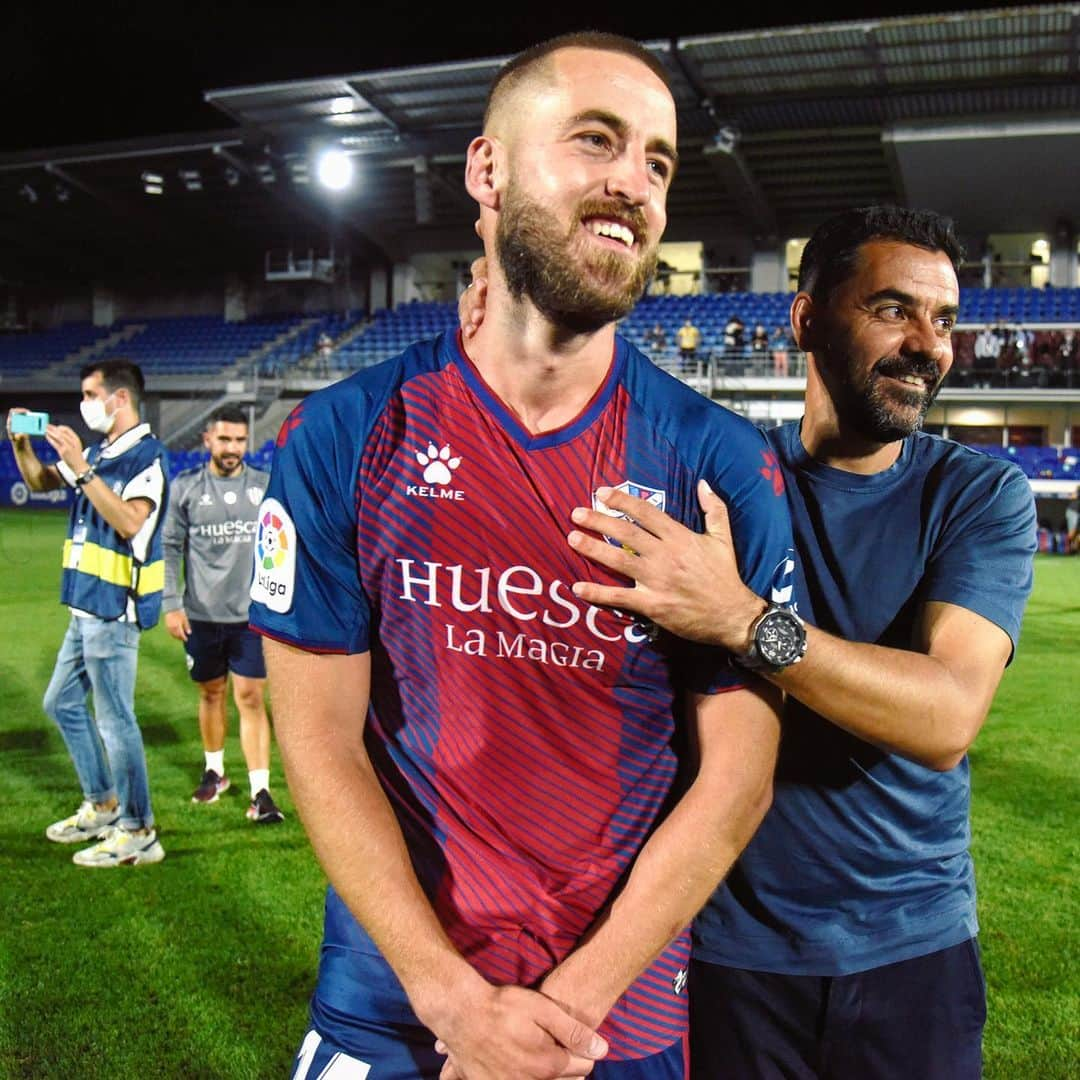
102,572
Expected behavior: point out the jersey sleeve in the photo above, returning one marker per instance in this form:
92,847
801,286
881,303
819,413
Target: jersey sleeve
983,560
745,473
172,542
148,483
306,586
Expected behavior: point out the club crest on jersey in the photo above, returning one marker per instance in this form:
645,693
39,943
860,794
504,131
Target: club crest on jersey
275,558
255,495
439,467
654,496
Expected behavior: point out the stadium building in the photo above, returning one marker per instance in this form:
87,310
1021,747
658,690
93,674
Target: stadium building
324,225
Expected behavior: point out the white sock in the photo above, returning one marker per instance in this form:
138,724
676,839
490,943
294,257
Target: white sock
215,759
259,779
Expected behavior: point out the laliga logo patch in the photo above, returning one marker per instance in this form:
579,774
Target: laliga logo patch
654,496
275,558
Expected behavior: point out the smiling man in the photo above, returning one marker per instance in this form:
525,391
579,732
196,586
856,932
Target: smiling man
483,763
209,537
842,944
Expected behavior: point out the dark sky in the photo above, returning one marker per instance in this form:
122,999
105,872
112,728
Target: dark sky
118,68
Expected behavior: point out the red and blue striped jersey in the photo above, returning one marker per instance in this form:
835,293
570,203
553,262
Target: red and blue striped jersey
526,739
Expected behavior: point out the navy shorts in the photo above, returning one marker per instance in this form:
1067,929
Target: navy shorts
398,1055
917,1018
362,1022
216,648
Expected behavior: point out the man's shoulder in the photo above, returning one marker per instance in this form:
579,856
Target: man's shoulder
959,462
662,396
360,397
185,481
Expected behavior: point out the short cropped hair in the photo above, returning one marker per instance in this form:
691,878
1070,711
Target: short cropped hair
828,260
515,70
227,414
118,373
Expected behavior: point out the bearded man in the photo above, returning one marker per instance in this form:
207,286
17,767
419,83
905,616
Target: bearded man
485,765
843,943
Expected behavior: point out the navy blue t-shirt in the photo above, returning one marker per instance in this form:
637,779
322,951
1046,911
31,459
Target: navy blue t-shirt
863,858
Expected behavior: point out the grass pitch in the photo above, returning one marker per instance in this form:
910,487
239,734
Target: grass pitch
202,965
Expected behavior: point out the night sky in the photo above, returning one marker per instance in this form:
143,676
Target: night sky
120,69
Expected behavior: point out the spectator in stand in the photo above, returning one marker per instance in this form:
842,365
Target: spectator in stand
759,346
1024,371
656,339
1067,351
325,349
689,338
781,345
733,337
988,347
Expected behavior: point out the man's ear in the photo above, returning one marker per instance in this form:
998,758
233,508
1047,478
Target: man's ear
805,323
483,171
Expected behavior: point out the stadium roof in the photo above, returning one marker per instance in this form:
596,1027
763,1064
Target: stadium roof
975,113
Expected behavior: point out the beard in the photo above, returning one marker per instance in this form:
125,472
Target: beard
879,411
581,291
227,464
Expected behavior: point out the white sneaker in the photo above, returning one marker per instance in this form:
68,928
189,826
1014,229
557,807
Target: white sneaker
85,824
122,848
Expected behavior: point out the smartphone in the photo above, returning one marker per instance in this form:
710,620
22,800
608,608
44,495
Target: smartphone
29,423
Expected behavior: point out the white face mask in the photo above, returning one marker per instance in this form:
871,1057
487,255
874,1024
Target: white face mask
95,417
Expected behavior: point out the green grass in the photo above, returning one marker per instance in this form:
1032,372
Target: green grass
202,965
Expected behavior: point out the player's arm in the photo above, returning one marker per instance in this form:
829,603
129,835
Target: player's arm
126,516
38,476
926,704
737,734
492,1032
173,542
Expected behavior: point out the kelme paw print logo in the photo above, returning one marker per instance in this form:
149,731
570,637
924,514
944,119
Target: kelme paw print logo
438,464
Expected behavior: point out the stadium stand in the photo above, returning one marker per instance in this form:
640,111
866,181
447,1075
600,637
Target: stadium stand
202,344
1037,309
24,354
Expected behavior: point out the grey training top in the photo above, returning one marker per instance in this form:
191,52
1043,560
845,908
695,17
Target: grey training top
210,527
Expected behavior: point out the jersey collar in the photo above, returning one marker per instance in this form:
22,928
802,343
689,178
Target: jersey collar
454,353
125,441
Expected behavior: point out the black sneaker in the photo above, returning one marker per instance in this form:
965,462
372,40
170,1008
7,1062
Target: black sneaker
263,810
210,787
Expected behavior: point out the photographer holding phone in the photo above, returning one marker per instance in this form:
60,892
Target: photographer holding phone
113,574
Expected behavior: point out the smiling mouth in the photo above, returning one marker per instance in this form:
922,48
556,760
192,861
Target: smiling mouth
916,382
612,230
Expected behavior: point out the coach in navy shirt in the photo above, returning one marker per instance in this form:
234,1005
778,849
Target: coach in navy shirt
843,943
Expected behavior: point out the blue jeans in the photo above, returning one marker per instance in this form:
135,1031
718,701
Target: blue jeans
107,748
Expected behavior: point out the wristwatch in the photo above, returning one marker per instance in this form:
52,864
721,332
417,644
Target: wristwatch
84,478
778,639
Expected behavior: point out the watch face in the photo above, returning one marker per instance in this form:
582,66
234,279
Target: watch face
780,639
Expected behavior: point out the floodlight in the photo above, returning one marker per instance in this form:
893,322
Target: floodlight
341,105
334,170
